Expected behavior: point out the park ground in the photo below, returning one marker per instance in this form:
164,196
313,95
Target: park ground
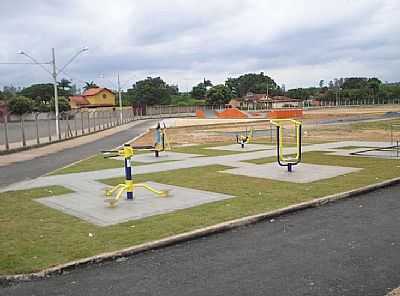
42,237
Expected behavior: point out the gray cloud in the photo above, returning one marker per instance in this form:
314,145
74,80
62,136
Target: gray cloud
297,42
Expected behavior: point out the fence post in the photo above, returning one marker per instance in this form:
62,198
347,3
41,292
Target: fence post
88,120
6,130
37,128
49,125
82,124
23,131
75,127
94,120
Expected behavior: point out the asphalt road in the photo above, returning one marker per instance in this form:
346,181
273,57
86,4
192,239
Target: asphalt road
351,247
41,165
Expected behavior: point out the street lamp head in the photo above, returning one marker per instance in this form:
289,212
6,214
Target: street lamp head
20,52
85,49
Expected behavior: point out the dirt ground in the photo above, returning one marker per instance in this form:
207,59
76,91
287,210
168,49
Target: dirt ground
199,131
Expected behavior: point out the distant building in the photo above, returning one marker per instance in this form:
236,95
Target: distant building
93,98
255,101
235,103
252,101
278,102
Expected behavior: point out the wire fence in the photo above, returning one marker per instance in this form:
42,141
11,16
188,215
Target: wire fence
33,129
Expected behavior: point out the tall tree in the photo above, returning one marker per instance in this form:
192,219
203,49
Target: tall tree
21,105
199,91
41,93
150,91
218,95
321,83
64,84
251,82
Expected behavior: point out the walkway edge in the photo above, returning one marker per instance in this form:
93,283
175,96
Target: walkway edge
187,236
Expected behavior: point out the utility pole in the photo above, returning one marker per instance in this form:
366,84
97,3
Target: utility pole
120,99
54,75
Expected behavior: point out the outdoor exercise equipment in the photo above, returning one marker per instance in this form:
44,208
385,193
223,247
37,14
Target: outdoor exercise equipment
244,138
389,151
282,160
129,186
161,142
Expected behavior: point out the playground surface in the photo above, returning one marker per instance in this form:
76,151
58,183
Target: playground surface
63,217
205,190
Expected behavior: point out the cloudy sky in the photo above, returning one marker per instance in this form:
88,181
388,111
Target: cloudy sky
296,42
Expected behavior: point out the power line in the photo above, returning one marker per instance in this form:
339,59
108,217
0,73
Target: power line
15,63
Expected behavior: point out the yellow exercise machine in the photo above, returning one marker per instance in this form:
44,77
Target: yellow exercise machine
244,138
129,186
282,160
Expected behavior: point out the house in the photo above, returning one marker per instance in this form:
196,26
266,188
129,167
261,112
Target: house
278,102
235,103
93,98
256,101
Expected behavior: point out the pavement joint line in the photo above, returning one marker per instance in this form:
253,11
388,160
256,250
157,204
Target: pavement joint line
86,158
195,234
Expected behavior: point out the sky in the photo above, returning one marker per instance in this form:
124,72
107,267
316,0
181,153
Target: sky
296,42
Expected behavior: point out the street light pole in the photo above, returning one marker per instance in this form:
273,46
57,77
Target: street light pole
54,74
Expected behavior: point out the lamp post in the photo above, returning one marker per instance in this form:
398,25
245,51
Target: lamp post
54,74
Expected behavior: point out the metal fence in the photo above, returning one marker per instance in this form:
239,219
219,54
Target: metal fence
19,132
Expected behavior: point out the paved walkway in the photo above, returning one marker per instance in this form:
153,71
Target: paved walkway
351,248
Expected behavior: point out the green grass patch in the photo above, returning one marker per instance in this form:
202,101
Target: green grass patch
202,149
376,125
33,236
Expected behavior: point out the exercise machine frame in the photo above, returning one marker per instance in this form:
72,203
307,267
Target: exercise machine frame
282,161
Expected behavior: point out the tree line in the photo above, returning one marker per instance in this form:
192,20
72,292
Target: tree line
155,91
348,90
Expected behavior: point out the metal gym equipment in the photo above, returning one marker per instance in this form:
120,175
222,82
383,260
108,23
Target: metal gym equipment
393,150
244,138
129,186
161,142
282,160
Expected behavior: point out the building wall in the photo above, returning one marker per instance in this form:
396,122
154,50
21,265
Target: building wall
102,98
285,104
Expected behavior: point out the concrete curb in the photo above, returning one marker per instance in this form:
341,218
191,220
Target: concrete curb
187,236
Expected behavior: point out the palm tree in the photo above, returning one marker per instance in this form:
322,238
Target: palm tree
89,85
64,84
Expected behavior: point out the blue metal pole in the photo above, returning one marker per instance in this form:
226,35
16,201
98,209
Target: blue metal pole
128,177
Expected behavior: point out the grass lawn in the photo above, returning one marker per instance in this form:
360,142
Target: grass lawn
377,125
33,236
